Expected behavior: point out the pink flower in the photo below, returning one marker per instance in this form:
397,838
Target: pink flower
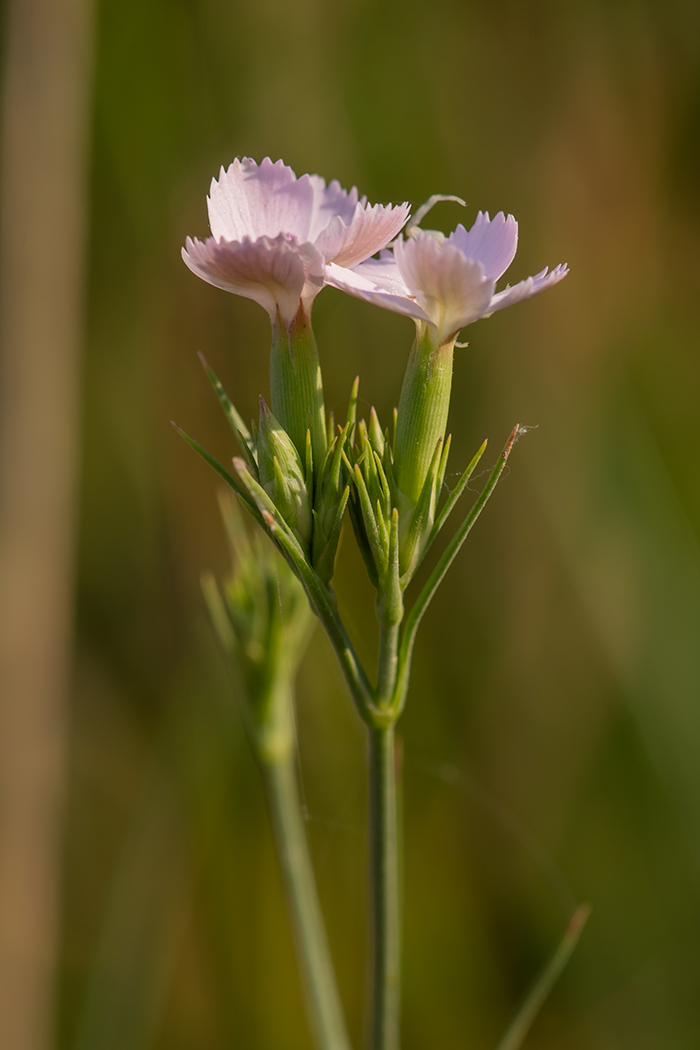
274,234
445,283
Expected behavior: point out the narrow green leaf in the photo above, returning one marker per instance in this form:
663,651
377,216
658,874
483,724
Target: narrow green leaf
408,635
390,607
234,418
325,562
230,480
443,467
378,551
375,432
323,604
455,494
384,485
381,524
265,506
336,463
523,1021
414,548
388,467
352,404
358,528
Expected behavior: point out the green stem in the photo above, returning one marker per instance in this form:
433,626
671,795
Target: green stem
322,996
385,897
388,664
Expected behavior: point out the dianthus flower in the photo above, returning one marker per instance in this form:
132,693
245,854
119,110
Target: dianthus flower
445,282
273,234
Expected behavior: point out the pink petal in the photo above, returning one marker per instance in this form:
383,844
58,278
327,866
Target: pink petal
492,242
370,228
525,289
273,272
356,283
329,202
453,290
384,273
251,200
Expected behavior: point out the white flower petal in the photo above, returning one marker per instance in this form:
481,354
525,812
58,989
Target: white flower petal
251,200
385,273
272,272
328,202
370,229
525,289
452,289
492,242
356,283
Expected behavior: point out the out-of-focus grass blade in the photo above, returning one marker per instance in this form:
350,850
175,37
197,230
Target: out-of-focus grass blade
526,1015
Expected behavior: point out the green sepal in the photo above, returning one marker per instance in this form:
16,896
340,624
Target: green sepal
384,485
389,597
375,434
388,467
379,550
266,508
282,474
324,561
330,496
352,406
361,537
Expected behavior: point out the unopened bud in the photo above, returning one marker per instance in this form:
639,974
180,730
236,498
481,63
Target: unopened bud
282,474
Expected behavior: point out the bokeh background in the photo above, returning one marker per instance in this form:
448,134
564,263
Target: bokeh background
552,734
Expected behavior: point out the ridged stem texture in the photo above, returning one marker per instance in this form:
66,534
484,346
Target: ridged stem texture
423,408
296,386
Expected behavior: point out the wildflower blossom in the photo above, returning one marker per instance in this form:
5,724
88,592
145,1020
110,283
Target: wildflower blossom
445,282
273,234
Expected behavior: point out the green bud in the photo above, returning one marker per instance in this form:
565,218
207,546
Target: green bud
282,475
296,385
263,622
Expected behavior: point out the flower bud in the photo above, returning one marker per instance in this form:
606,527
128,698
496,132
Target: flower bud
282,475
263,622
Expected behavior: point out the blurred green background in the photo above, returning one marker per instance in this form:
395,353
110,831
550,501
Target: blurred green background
552,734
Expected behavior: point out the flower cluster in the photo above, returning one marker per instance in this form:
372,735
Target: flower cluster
278,239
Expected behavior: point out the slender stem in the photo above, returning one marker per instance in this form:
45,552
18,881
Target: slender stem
385,897
323,1001
388,664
